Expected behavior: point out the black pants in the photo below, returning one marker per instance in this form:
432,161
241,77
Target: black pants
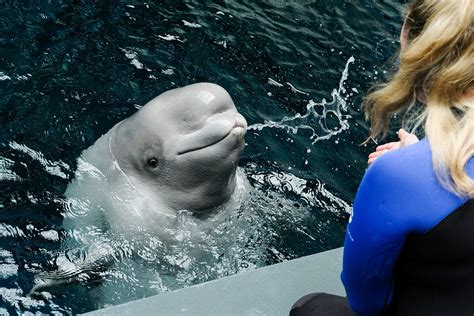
321,304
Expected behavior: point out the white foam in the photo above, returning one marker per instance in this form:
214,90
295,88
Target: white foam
189,24
168,37
222,43
50,235
4,77
8,270
168,71
130,54
8,231
296,90
5,172
14,297
274,82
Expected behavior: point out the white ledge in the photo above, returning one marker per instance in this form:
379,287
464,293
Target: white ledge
270,290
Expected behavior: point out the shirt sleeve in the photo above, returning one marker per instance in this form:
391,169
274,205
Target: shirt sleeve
375,236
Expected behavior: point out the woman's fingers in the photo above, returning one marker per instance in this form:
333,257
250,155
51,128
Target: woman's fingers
371,160
375,155
388,146
402,133
407,138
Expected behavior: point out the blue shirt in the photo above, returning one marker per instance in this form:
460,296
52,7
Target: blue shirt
399,195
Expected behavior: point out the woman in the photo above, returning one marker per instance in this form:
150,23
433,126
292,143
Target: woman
409,247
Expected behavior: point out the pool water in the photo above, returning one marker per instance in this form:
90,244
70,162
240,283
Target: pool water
296,70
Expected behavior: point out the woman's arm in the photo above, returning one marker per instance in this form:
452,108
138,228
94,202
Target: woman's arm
374,239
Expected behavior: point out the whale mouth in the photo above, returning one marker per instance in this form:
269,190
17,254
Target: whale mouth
237,127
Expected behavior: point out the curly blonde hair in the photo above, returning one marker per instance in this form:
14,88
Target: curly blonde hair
436,67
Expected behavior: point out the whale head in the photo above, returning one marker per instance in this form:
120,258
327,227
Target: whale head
183,146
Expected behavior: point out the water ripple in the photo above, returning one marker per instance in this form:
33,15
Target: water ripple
55,168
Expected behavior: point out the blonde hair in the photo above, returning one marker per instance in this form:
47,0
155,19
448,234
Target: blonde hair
437,67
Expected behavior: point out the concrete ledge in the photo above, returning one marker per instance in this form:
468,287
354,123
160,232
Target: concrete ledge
270,290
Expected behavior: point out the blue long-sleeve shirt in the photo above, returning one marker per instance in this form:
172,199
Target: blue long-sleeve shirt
399,195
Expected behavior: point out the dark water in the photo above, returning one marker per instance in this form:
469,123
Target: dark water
69,70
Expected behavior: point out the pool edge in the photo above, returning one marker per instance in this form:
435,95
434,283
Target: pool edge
269,290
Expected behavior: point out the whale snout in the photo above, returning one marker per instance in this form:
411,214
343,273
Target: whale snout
210,120
240,121
226,129
231,117
221,108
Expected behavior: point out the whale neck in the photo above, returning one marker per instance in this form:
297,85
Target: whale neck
211,202
216,191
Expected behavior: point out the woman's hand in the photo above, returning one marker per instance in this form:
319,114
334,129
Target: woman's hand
405,140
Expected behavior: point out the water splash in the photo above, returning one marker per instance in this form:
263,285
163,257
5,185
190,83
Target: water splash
317,115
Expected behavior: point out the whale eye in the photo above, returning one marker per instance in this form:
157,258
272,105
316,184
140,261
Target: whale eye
153,162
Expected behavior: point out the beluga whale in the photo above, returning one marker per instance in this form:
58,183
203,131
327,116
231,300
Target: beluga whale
170,167
178,152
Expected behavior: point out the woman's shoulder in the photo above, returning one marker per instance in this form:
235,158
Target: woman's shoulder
409,168
415,155
405,179
412,164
